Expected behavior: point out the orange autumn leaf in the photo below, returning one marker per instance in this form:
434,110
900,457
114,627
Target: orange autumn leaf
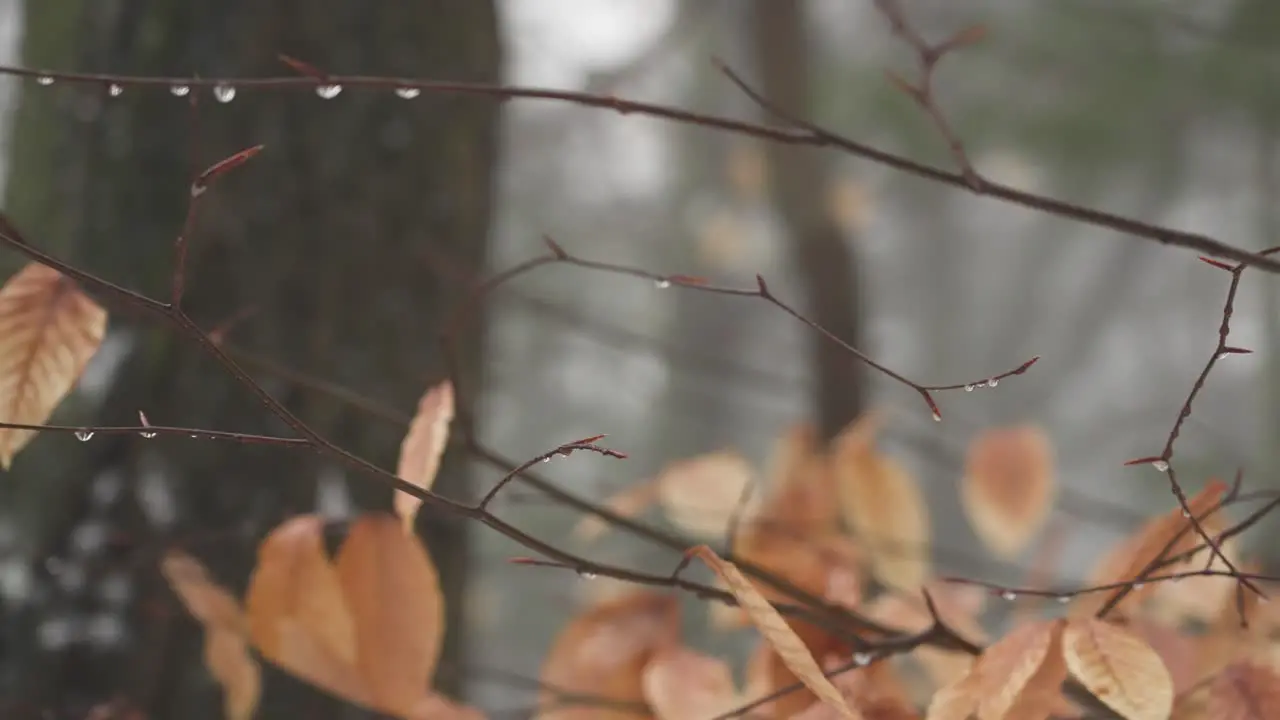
885,508
700,495
801,496
295,581
1131,557
604,651
1119,668
1244,691
1008,487
422,447
681,684
393,591
207,601
226,650
790,649
1009,665
1015,678
48,331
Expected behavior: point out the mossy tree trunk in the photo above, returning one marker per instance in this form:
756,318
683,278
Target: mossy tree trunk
327,247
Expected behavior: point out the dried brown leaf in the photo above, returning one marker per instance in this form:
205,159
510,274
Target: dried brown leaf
1008,666
226,651
1009,487
785,642
295,581
1245,691
956,701
886,509
48,331
207,601
304,655
603,653
393,591
681,684
1128,559
801,497
1118,668
422,447
1041,696
226,654
700,495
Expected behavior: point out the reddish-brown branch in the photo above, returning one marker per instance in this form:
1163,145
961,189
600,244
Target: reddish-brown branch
807,133
558,255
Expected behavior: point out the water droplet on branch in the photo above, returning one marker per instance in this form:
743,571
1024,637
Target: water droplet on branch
662,284
224,93
408,93
179,90
1009,595
1160,465
44,80
328,92
115,90
84,435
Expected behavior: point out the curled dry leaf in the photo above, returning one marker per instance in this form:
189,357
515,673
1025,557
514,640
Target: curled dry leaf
882,503
1118,668
829,566
1244,691
680,684
48,331
630,502
604,651
295,581
393,591
226,652
700,495
422,447
1008,487
790,649
1131,557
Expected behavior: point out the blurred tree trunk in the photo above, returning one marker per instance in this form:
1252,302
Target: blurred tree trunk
801,183
319,247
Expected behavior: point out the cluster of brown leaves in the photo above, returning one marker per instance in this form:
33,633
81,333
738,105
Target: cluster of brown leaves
846,522
365,626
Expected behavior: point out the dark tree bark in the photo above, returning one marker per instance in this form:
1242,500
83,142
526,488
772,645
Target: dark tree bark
800,179
322,245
